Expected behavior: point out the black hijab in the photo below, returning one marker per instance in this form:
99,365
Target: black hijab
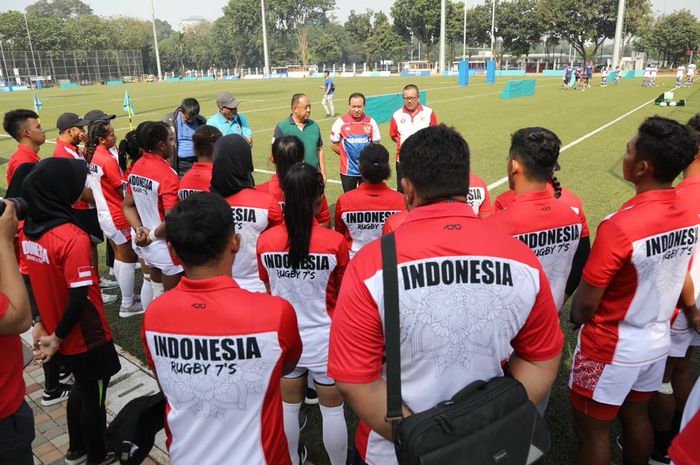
14,189
50,189
233,165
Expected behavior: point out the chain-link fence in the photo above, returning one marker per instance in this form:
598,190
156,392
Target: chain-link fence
78,66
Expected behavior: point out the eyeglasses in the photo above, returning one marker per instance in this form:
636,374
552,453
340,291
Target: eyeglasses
410,98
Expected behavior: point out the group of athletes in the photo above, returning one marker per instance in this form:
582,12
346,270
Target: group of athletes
482,284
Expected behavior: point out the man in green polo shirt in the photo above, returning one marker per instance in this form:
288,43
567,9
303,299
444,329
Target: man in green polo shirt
299,124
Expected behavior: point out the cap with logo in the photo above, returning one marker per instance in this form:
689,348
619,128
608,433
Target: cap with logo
98,115
226,100
70,120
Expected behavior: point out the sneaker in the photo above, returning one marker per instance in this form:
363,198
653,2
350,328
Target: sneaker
303,420
55,396
110,457
659,459
303,453
109,298
65,376
74,457
138,266
131,310
311,397
108,283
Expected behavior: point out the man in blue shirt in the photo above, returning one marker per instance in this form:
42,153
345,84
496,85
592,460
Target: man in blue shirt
228,120
328,90
184,121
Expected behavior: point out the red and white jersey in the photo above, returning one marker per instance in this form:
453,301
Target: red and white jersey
360,213
253,212
272,186
352,135
688,191
506,198
640,257
197,179
404,124
478,196
218,353
57,261
312,289
66,150
11,380
550,228
105,181
466,304
154,184
394,221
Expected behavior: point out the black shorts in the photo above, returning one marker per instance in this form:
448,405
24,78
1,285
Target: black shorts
98,363
88,222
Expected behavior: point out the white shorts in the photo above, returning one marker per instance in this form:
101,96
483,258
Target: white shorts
610,384
317,373
157,255
118,236
682,336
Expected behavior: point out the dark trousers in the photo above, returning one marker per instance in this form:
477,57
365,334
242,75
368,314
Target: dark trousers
350,182
184,165
16,436
87,417
399,177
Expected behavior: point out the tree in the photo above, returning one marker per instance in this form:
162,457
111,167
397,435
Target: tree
297,16
238,33
670,36
589,23
89,32
63,9
519,27
420,18
385,43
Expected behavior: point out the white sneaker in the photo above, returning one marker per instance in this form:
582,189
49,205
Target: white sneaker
108,298
108,283
133,309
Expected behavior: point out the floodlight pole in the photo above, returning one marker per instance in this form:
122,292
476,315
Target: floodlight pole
266,52
26,25
443,21
464,33
493,25
7,72
617,43
155,40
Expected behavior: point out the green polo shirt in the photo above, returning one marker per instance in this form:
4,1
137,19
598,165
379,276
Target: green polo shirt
310,136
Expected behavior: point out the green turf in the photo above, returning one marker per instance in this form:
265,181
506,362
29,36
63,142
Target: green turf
591,168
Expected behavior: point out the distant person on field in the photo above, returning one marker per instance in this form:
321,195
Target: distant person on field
328,91
407,120
184,121
228,120
198,178
349,135
230,410
301,125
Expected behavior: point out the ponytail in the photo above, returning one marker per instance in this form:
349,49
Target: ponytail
303,187
96,129
557,187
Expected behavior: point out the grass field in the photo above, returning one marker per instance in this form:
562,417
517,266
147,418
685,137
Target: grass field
591,161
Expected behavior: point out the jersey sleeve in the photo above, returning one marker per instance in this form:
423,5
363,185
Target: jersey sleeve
335,131
356,341
76,261
277,133
113,173
608,255
343,258
168,190
339,224
376,136
501,201
288,332
144,342
324,213
393,130
433,118
259,250
540,338
274,213
485,209
319,144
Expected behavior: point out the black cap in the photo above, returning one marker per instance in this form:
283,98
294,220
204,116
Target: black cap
98,115
70,120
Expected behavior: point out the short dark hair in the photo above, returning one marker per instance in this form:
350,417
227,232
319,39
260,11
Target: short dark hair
436,161
374,163
296,98
287,151
203,140
694,122
152,133
190,107
537,149
199,227
356,95
14,119
410,86
669,145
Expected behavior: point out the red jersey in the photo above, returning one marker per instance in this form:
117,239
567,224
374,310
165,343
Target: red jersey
640,257
550,228
465,305
197,179
506,198
105,181
23,155
312,289
253,212
360,213
11,380
66,150
404,124
218,353
394,221
272,186
57,261
478,196
154,184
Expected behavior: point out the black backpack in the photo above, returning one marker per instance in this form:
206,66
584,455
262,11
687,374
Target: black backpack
132,433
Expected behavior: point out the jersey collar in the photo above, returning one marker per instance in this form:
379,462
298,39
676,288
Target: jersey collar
206,285
66,145
368,186
202,166
654,195
539,194
27,151
440,209
418,109
158,158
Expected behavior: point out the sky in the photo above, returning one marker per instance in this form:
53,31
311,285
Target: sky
175,11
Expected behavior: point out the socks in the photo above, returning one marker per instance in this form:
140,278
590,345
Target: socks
157,289
335,434
146,291
125,273
290,413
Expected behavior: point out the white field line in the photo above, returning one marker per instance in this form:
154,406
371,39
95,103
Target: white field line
497,183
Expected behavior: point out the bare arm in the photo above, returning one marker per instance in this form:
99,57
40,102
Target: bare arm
335,147
586,300
132,216
87,195
18,316
537,377
322,163
687,302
